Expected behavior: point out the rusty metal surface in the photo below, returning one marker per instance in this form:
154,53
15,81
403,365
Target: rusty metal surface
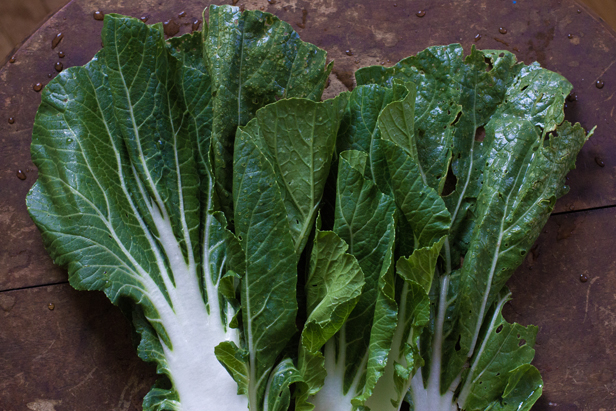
573,351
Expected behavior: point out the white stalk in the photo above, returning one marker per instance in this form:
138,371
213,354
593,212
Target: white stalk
385,391
194,333
429,398
332,396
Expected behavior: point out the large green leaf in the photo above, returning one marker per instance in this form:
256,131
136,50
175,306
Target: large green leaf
417,273
510,151
361,115
504,348
124,199
420,204
268,285
524,177
333,287
254,59
356,356
523,389
298,136
436,73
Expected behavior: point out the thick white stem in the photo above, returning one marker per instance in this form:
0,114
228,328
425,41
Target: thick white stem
429,398
332,396
385,391
194,333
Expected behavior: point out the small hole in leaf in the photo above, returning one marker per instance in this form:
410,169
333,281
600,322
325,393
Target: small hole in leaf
523,88
499,329
501,55
458,346
450,182
522,342
489,64
480,134
457,118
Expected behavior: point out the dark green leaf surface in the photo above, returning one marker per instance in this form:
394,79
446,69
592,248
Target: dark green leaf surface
497,126
298,137
417,273
361,115
436,73
420,204
504,348
333,287
166,183
524,177
523,390
268,285
254,59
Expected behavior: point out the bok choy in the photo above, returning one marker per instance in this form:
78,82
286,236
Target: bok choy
279,252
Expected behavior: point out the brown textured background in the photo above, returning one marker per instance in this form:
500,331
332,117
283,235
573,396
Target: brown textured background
80,356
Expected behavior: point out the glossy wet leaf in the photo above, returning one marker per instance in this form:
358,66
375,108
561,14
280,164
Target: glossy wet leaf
254,59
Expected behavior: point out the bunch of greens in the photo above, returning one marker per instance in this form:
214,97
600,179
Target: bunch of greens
349,254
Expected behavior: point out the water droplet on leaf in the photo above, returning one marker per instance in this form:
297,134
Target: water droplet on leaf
37,87
98,15
58,66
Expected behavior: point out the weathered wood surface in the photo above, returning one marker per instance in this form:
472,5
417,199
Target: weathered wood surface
92,340
78,356
575,349
19,18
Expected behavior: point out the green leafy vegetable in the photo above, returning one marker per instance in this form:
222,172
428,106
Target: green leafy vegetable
506,184
126,197
189,177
